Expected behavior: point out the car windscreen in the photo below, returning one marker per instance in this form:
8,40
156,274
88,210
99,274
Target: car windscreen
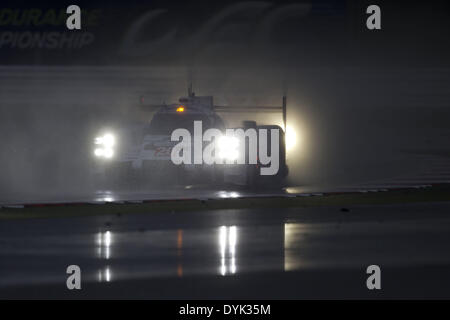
165,124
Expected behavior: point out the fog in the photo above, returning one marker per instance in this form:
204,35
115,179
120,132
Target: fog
353,125
362,103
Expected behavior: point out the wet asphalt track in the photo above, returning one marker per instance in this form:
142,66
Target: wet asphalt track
291,253
430,170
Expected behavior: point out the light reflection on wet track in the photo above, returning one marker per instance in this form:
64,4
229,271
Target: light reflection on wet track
145,247
200,192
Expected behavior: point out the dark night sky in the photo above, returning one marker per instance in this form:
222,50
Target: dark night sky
332,33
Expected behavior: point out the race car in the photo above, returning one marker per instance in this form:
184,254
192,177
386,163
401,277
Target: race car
152,152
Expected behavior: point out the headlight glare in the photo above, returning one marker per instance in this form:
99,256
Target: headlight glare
227,148
290,138
105,146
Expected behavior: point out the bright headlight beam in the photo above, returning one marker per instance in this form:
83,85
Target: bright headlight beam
109,140
227,147
105,145
290,138
98,140
108,153
98,152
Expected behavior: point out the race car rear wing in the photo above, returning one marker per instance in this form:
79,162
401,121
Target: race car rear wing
243,109
265,109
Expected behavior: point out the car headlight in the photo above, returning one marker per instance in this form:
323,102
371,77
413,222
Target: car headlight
228,148
105,146
290,138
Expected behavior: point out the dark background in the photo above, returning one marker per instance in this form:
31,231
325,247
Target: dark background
327,32
362,101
